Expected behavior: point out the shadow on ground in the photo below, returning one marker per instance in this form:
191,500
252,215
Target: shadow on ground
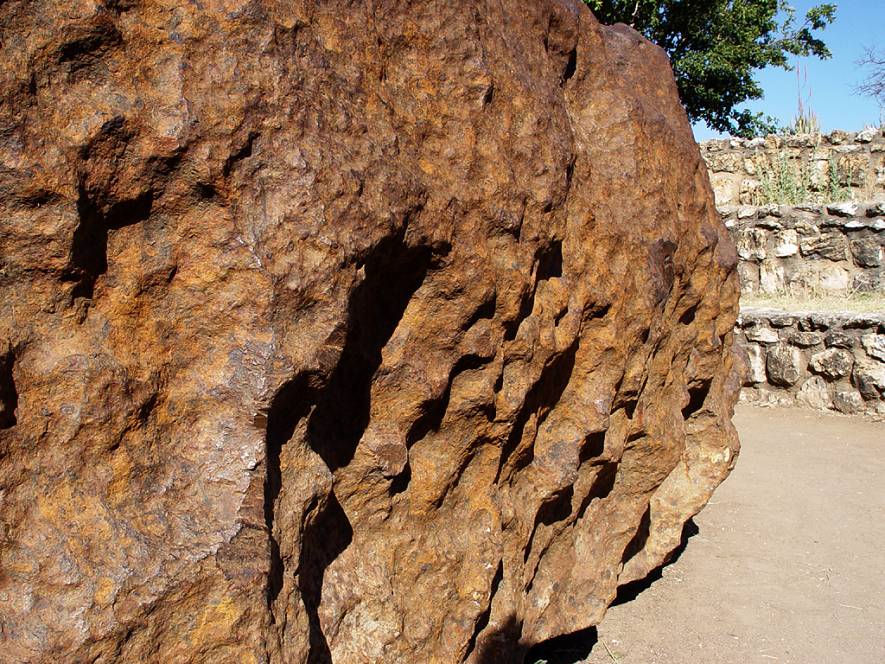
629,591
576,647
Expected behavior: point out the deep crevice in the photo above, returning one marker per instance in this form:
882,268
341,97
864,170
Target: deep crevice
89,247
393,272
488,95
486,310
557,507
433,411
87,49
628,401
601,488
571,67
542,396
325,538
569,175
549,266
8,392
205,191
592,447
401,482
697,395
526,304
290,404
640,537
687,318
550,261
483,620
244,152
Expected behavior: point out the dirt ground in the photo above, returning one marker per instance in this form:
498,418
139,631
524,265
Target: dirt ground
788,560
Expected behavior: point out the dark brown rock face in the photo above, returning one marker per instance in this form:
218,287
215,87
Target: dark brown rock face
363,331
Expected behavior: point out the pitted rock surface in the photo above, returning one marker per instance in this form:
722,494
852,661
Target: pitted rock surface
362,332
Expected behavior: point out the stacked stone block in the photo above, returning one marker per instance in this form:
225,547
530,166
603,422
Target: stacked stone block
823,361
809,250
858,159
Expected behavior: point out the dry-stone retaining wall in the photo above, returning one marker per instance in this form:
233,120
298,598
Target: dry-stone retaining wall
825,361
851,161
837,249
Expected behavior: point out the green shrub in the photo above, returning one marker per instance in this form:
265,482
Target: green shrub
785,181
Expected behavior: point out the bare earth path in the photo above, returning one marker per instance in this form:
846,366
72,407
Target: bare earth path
788,563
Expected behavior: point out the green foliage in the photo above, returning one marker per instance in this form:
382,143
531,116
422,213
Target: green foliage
782,182
786,181
806,121
716,46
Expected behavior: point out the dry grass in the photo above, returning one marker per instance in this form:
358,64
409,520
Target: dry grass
866,303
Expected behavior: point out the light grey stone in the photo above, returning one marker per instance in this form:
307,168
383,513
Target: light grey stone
833,362
750,243
746,212
815,393
771,277
781,320
869,377
874,344
748,275
867,135
726,163
748,190
769,224
856,225
848,401
847,209
755,364
823,321
783,364
809,207
800,140
868,281
832,246
866,252
806,339
762,334
838,339
786,243
834,278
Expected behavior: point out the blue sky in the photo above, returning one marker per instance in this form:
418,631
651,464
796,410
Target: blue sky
830,82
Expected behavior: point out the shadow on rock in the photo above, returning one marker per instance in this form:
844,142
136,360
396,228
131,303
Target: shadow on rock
566,649
629,591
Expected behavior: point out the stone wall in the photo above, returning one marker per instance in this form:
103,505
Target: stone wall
852,161
809,250
824,361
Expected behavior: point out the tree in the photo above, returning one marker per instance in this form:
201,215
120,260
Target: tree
716,46
874,84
